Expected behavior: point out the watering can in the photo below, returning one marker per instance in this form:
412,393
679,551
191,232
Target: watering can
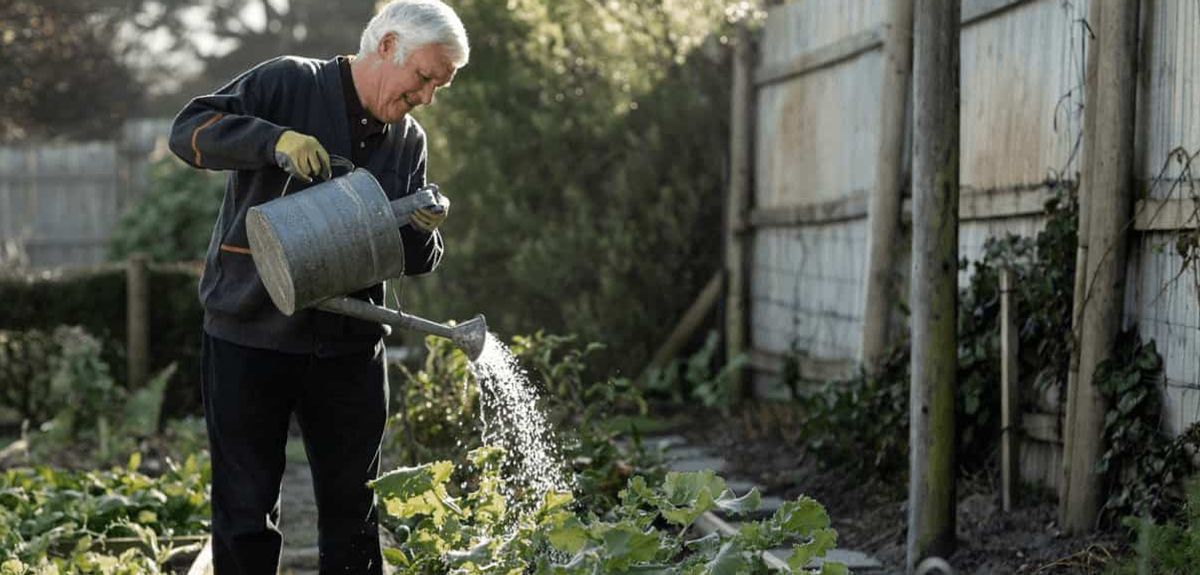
337,237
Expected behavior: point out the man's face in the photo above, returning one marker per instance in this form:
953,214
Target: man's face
403,87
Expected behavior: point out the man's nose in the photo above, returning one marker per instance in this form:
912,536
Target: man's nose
426,94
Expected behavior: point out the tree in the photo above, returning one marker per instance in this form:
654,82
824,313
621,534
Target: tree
61,75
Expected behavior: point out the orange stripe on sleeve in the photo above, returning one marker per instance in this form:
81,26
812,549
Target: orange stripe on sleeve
196,134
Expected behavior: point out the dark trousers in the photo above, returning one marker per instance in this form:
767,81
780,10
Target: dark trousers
341,405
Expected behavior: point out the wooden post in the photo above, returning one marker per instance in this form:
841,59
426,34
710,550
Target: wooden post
934,294
883,212
1111,206
691,320
737,207
1010,397
1087,162
137,306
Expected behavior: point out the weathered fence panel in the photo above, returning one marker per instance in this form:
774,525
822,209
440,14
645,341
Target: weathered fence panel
60,201
1022,97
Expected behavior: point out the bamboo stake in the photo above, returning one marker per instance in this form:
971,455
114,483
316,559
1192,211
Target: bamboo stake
1010,397
738,204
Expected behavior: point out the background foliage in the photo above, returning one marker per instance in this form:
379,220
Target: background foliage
175,218
869,414
95,300
584,147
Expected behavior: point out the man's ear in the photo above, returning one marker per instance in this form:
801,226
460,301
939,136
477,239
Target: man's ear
387,47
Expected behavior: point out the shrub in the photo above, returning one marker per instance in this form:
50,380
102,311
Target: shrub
174,220
25,373
95,300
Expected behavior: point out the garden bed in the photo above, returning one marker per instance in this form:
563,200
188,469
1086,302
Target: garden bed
870,514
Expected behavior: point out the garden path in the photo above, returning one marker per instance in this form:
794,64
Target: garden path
299,521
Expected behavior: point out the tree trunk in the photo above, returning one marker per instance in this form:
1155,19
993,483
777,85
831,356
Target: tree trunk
934,299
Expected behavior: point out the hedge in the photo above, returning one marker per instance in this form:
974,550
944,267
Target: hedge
95,299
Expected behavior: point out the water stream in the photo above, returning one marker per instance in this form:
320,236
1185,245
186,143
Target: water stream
513,419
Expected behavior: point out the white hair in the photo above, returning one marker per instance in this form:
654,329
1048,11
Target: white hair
417,23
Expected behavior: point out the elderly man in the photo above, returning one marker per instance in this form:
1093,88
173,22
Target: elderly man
276,123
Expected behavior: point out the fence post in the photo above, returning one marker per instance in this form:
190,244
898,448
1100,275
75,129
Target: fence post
137,305
741,144
1087,161
1010,397
934,292
883,212
1110,210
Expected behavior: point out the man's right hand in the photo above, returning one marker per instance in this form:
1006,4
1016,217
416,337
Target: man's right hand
302,156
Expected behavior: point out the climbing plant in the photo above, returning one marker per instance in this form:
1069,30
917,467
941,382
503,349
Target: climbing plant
869,414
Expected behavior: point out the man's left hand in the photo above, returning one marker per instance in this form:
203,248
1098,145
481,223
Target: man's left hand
428,219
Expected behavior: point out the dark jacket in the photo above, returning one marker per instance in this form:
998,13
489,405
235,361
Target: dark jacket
236,129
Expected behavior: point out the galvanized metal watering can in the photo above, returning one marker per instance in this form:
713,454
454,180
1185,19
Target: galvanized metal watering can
313,247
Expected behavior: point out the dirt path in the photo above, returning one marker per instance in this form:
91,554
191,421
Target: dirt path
299,521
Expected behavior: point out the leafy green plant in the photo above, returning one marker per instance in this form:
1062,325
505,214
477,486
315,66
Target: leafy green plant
174,220
95,300
863,415
61,384
438,406
56,521
25,373
438,412
1164,548
1143,466
870,414
477,533
700,377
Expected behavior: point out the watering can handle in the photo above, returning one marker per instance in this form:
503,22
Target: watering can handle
334,160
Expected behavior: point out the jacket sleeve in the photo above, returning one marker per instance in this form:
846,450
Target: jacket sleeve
422,251
226,130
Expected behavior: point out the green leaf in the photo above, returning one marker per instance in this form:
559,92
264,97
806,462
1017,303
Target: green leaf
689,495
822,541
626,545
407,482
801,517
834,568
569,536
479,554
747,503
730,560
395,556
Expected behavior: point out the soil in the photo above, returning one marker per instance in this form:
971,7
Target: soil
870,514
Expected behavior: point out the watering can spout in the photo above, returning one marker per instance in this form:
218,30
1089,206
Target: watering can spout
469,336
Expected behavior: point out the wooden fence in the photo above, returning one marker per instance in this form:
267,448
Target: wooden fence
60,201
816,84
